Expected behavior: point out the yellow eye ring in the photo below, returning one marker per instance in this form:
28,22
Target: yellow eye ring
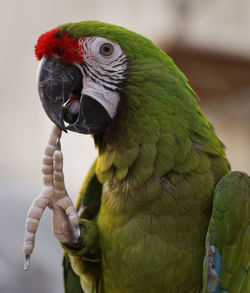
106,49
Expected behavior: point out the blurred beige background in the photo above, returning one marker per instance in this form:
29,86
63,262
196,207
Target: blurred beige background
209,40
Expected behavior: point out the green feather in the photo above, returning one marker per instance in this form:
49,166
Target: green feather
158,173
72,282
229,231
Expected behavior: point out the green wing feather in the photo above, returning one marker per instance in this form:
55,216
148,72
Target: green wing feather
229,232
72,282
87,205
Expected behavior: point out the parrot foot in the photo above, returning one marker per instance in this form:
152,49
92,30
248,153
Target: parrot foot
53,195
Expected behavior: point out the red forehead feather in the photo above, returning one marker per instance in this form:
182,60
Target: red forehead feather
60,45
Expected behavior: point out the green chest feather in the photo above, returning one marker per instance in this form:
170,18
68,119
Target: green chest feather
158,177
152,235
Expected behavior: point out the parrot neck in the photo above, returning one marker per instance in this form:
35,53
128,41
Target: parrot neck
143,143
127,145
158,130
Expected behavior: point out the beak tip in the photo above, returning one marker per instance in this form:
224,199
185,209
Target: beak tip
61,125
58,121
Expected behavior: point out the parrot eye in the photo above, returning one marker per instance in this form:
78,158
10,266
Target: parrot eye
106,49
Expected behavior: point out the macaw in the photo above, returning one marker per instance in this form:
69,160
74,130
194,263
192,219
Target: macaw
159,210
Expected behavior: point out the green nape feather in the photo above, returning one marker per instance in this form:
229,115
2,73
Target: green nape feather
150,192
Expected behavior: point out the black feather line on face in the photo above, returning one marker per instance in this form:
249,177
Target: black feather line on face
90,70
96,79
108,74
117,79
123,61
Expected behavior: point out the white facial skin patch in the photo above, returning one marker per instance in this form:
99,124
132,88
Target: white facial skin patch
107,98
102,74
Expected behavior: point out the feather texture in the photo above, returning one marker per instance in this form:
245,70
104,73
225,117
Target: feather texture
150,192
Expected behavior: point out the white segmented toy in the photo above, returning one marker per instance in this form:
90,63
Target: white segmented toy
54,196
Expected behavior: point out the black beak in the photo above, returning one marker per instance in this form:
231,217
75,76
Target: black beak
59,86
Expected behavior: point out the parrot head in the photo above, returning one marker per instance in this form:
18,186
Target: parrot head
102,79
83,71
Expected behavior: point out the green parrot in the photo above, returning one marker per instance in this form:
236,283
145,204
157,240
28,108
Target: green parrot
159,210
